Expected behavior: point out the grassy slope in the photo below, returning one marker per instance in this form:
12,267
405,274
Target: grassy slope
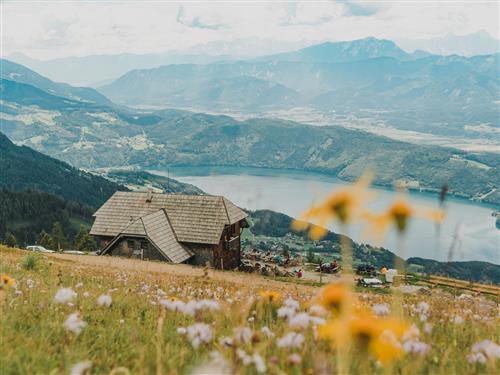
135,334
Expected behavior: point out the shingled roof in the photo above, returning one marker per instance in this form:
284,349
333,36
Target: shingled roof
190,218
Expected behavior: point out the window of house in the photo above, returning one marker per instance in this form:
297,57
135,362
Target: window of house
130,244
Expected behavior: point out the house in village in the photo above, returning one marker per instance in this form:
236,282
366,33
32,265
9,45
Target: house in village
193,229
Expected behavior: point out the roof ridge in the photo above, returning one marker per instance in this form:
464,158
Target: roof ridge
225,209
170,223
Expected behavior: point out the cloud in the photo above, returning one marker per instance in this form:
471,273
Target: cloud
359,9
195,22
52,29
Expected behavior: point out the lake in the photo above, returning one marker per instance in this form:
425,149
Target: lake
292,192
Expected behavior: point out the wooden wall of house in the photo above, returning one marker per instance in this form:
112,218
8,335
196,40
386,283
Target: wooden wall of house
102,241
227,254
202,254
138,248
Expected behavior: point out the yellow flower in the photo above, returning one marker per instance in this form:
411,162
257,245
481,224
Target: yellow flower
386,347
6,280
270,295
344,205
380,337
333,297
399,214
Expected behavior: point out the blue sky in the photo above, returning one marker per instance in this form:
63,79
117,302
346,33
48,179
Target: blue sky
50,29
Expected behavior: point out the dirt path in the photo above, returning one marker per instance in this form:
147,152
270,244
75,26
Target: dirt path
183,270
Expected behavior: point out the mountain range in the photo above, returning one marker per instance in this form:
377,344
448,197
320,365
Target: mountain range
368,78
93,135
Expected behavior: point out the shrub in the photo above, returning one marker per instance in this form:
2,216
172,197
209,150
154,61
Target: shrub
29,262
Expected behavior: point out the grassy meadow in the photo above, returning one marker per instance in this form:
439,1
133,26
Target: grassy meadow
60,316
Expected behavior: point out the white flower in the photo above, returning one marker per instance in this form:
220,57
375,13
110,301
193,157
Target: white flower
191,307
198,334
267,332
422,308
79,285
286,312
259,363
181,330
86,294
415,347
476,357
291,340
81,368
104,300
317,310
381,309
294,359
256,359
244,357
488,348
64,295
458,320
30,283
243,335
74,323
411,333
291,303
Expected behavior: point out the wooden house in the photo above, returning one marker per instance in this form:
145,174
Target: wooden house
193,229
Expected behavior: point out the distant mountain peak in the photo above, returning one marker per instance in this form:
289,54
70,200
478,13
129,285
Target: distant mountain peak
343,51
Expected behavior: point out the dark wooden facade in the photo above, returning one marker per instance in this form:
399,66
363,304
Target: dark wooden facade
225,255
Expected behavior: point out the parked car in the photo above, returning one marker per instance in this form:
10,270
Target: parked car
39,249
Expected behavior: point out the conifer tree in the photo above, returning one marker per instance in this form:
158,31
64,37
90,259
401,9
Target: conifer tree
84,241
44,240
59,240
10,240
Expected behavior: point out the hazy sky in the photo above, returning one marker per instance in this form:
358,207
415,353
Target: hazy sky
50,29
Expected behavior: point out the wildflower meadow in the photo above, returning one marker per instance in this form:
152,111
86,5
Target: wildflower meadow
62,317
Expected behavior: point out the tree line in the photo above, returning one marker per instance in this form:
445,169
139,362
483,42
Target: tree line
57,240
32,217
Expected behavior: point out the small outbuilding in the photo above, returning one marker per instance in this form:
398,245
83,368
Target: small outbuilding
193,229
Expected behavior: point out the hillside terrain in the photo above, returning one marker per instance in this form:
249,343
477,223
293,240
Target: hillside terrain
369,78
24,168
95,136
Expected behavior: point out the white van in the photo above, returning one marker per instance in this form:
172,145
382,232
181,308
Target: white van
39,249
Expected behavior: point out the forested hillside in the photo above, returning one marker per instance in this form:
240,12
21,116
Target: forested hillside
25,214
22,168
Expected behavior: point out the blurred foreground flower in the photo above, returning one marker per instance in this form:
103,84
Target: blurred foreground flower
399,215
81,368
74,323
381,337
6,281
64,295
270,296
333,297
484,351
343,205
197,334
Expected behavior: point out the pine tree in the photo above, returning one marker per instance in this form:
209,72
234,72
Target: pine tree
84,241
59,240
10,240
44,240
